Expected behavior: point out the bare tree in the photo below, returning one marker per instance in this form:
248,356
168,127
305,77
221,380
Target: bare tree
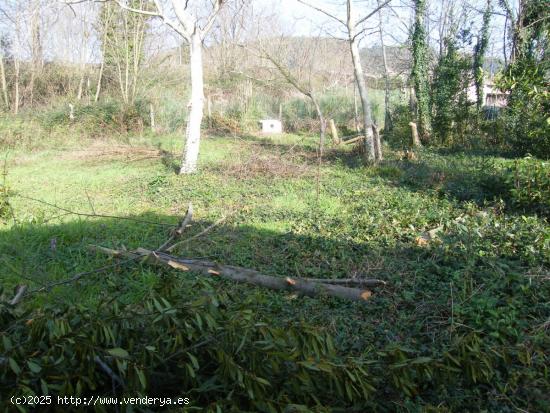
36,45
123,35
17,61
387,116
4,81
352,25
193,29
420,70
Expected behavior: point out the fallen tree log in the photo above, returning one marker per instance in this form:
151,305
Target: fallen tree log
364,282
358,138
242,275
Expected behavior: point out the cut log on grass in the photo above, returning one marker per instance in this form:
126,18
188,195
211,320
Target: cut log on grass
357,139
200,234
363,282
242,275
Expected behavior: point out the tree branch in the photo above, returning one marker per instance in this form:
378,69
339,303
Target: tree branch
242,275
212,18
189,24
83,214
174,25
368,16
326,13
138,11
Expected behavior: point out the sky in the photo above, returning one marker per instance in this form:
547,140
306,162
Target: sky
69,34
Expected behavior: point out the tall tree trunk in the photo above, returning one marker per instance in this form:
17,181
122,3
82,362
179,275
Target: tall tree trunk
323,122
480,50
36,47
387,116
362,88
377,142
419,73
99,80
36,41
4,82
192,144
80,87
360,80
355,111
17,64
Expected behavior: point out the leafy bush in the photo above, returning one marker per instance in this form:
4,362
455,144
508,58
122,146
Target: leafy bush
400,134
212,349
526,79
449,101
529,182
101,118
526,116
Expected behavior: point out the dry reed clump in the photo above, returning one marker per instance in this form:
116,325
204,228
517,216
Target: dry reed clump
261,163
102,152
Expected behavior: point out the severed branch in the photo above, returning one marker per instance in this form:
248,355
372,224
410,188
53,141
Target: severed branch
177,233
94,215
20,293
358,138
364,282
200,234
78,276
242,275
109,371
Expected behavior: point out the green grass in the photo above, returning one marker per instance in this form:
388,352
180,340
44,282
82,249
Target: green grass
485,278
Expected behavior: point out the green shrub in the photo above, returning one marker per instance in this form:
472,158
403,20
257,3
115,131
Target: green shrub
526,80
399,136
100,118
211,349
529,183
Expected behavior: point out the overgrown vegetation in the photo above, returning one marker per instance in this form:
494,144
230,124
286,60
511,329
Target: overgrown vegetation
527,79
454,232
461,322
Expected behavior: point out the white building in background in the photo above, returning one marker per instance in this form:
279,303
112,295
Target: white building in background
492,96
271,126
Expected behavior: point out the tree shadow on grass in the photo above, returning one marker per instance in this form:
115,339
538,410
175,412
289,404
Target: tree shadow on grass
350,158
169,160
412,311
39,255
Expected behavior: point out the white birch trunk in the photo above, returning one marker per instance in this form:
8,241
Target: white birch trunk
192,144
361,86
4,82
99,79
387,116
362,89
323,124
17,65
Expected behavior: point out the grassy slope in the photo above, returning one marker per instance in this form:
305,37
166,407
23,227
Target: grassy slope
365,221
